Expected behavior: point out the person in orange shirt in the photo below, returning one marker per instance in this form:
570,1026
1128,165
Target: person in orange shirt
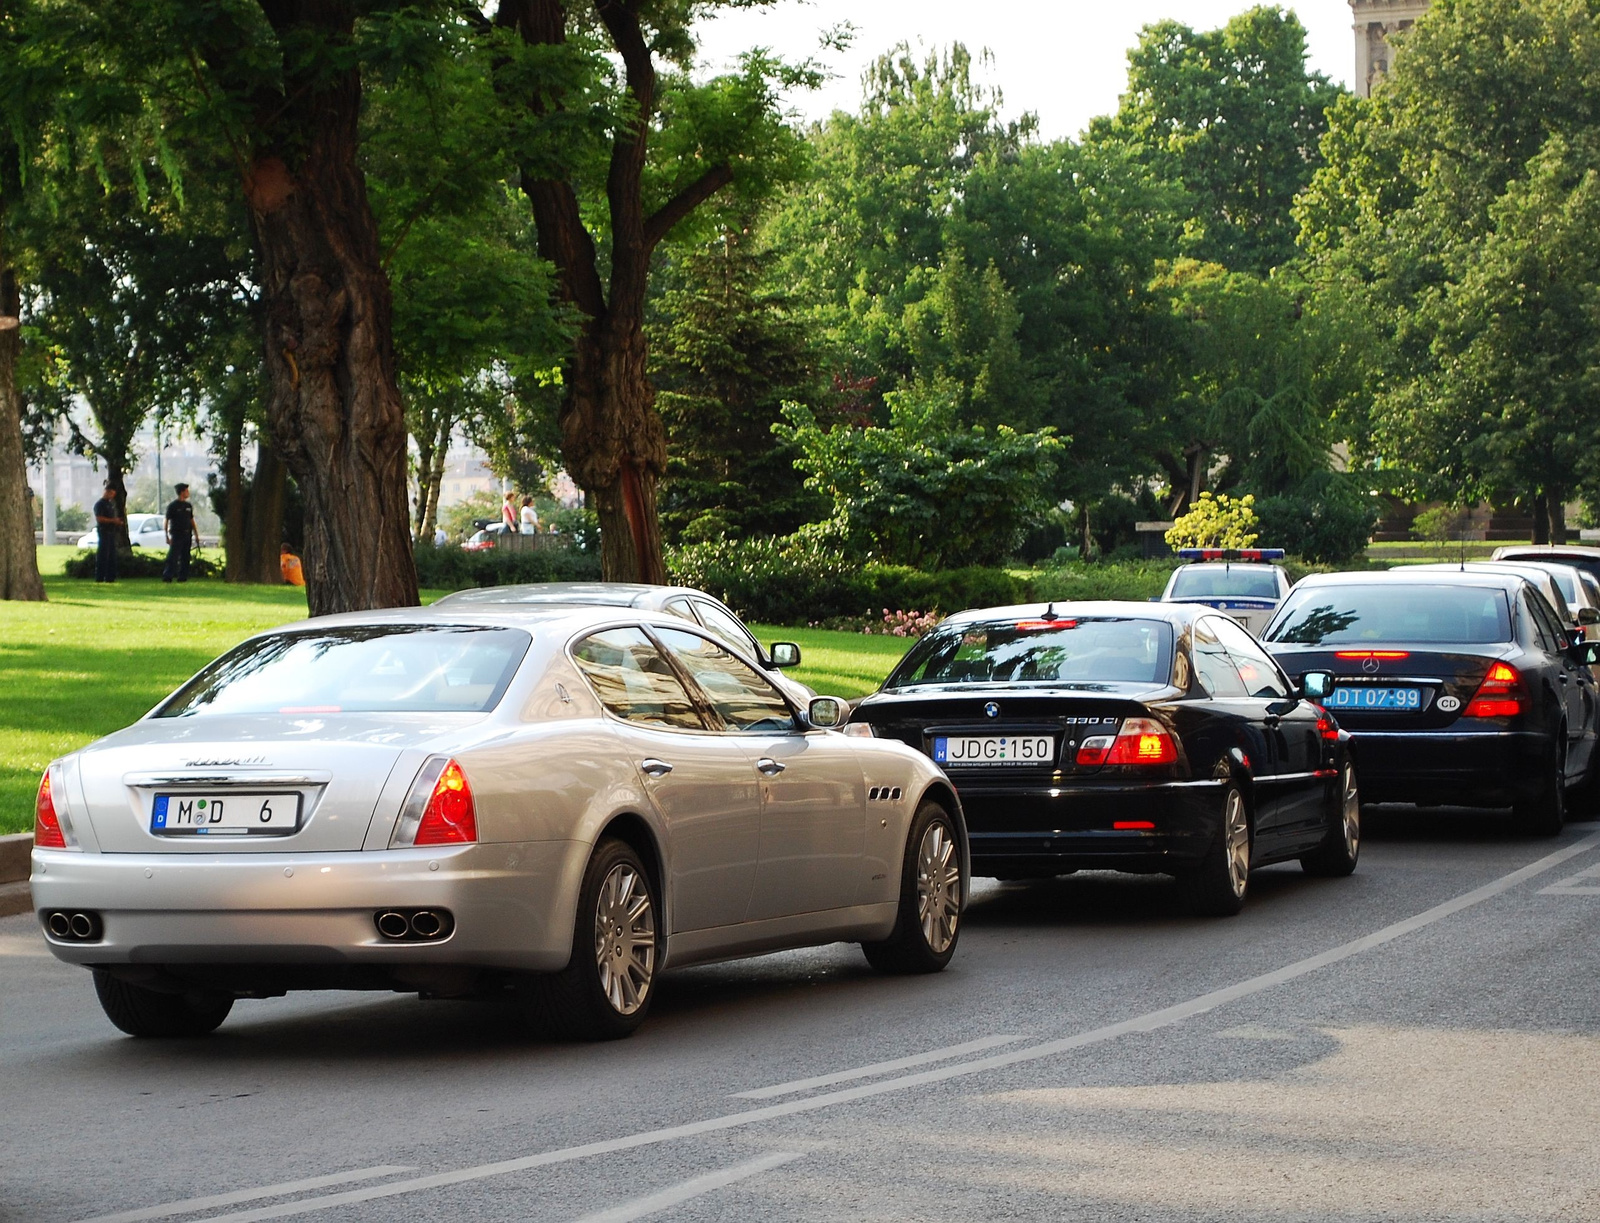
289,565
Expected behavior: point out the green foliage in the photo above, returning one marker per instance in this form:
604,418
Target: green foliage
1216,521
1328,520
925,490
799,581
450,568
1441,523
1234,116
141,565
1131,580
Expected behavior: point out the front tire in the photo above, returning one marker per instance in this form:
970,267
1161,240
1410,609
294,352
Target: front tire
152,1014
606,988
1218,885
1546,813
1336,856
928,922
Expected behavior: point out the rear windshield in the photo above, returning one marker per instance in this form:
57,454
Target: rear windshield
371,669
1040,651
1253,582
1411,612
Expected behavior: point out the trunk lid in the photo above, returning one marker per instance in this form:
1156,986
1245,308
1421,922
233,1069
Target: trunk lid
334,768
1445,678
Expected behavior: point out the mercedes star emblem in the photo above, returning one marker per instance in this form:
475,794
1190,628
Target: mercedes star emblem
992,709
1370,665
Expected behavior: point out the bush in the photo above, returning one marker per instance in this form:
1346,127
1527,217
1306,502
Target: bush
140,565
1216,521
1137,580
450,568
1329,521
799,581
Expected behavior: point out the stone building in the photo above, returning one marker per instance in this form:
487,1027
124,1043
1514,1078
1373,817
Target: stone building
1375,22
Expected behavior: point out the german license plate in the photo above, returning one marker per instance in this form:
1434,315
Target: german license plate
994,749
1362,697
229,814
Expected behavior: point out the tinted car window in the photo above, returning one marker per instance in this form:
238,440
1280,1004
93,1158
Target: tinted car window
1247,581
390,668
1040,651
744,700
680,607
634,681
724,625
1218,676
1259,673
1556,636
1420,612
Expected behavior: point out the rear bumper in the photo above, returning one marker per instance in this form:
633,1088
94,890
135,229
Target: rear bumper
1491,767
512,906
1065,828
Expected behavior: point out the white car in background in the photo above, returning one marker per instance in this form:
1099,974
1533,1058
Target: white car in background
1239,581
144,530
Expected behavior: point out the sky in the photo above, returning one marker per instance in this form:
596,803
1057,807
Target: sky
1065,60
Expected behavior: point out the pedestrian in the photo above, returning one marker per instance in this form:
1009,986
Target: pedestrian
440,537
108,522
529,519
508,513
182,534
289,566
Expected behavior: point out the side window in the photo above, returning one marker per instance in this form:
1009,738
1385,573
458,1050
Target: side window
681,607
725,626
1256,669
1549,621
1541,636
744,699
634,681
1215,669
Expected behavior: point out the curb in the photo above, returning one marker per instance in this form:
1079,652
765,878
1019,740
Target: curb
15,898
15,895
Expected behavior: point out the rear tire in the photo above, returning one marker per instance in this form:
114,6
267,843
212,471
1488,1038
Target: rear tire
928,921
1218,885
1336,856
1545,813
606,988
152,1014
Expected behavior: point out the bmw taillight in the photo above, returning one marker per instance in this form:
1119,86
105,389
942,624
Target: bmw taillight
47,832
439,810
1499,696
1140,741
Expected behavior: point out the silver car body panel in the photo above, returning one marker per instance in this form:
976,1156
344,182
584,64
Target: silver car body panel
749,862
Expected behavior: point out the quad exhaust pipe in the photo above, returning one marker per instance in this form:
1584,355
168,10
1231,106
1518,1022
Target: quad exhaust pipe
73,927
414,925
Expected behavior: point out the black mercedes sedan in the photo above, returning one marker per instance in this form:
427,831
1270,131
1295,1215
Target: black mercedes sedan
1458,687
1140,737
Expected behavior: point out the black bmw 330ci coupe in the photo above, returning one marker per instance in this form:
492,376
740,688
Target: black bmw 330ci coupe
1459,688
1125,736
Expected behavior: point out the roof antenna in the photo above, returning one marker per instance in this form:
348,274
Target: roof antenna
1049,611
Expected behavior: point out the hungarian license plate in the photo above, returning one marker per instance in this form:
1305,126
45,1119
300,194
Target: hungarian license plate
1397,699
994,749
229,814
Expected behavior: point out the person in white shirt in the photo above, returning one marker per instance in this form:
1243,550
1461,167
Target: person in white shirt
529,517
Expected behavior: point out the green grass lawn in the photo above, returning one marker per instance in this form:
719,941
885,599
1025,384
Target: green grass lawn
94,658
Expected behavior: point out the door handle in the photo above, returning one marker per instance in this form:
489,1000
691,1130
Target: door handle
769,766
1272,720
654,767
1562,677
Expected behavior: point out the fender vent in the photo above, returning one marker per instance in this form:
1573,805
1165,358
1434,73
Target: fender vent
883,794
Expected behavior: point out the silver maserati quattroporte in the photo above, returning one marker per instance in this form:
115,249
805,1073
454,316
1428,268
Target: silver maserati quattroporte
551,804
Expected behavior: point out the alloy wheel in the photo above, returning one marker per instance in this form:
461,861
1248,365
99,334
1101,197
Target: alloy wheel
938,887
625,939
1352,813
1236,828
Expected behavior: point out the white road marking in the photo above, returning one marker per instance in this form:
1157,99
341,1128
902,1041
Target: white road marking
867,1072
1147,1022
1584,883
695,1187
189,1205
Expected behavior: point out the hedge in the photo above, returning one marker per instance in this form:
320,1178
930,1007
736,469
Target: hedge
451,568
138,565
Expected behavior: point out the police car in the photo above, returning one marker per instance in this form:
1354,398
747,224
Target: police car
1240,581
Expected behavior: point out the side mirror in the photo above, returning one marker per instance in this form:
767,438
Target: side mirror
1589,615
826,712
1316,685
1584,653
784,654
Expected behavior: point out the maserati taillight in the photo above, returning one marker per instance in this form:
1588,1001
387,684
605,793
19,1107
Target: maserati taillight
439,810
47,832
1499,696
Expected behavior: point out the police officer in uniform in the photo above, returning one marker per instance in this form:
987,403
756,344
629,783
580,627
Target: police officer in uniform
106,521
181,535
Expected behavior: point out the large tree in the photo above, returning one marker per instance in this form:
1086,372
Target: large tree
666,146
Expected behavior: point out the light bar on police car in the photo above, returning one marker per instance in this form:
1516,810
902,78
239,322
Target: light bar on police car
1230,554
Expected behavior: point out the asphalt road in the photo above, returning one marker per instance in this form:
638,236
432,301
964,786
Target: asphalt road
1420,1041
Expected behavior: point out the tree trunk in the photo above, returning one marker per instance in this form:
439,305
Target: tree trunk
264,517
334,406
19,558
1541,518
1558,515
235,555
1085,533
430,518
